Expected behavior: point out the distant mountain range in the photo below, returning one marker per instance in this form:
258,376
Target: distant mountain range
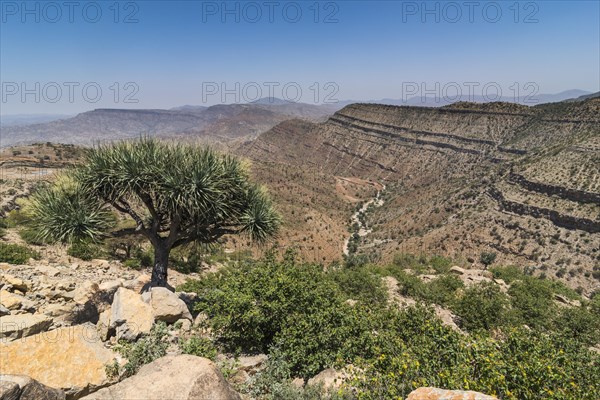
219,123
28,119
432,101
584,97
216,124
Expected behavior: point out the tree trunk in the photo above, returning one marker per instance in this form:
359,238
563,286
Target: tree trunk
161,263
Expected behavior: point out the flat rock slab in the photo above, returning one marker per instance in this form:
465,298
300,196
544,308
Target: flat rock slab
72,359
22,325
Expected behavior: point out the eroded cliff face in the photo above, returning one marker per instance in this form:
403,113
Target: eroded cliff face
461,179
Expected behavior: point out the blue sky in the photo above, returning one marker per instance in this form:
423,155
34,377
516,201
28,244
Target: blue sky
188,52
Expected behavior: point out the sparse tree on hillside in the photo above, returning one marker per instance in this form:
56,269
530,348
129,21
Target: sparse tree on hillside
487,259
176,194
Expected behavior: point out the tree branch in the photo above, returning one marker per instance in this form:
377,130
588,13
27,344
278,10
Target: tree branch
124,232
156,220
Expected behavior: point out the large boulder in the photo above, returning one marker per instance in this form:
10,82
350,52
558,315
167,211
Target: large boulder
189,377
429,393
21,387
166,305
17,326
328,379
70,358
130,316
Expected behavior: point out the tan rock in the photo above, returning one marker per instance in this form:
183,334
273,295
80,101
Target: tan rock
428,393
17,283
110,287
14,301
201,319
130,316
84,292
70,358
166,306
25,388
394,295
457,270
328,379
57,310
298,382
252,363
189,377
138,283
185,325
17,326
47,270
564,300
103,325
446,317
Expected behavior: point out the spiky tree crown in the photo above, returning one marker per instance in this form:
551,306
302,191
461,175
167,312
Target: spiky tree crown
174,192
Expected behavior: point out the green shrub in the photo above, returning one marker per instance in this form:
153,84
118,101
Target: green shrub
2,232
360,284
133,263
16,254
15,218
144,351
296,313
200,347
249,304
508,274
85,250
440,264
532,303
442,290
482,306
274,382
186,259
579,323
523,365
409,261
30,236
312,342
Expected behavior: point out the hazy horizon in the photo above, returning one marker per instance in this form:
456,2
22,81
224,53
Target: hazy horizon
59,59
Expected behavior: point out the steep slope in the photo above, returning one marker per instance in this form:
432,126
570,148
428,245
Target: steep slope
462,179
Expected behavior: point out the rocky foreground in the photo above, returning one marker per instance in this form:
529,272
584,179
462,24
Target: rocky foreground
60,324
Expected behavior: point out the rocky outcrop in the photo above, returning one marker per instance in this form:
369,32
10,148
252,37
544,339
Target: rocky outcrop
21,387
166,305
22,325
558,219
70,358
428,393
130,316
14,301
16,283
576,195
185,377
